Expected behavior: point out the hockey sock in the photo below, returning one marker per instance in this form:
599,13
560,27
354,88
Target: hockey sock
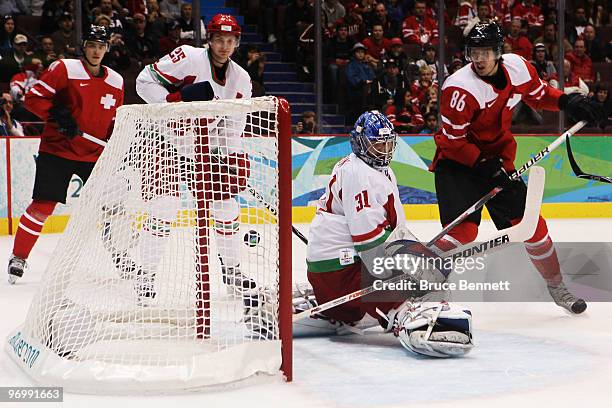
461,234
30,225
226,215
542,254
155,233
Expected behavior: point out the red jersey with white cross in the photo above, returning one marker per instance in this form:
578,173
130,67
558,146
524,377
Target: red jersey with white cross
91,100
476,117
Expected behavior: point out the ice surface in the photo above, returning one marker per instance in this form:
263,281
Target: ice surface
527,354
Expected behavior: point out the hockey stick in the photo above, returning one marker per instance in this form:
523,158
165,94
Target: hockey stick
515,176
578,172
93,139
517,233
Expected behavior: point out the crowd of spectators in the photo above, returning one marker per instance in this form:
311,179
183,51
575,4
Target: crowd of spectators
141,32
378,54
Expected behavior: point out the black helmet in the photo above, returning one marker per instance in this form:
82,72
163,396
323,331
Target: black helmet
485,35
96,33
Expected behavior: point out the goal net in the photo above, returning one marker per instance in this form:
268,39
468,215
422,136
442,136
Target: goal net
174,271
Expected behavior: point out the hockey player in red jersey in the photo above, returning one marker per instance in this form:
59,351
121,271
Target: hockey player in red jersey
198,74
77,98
476,150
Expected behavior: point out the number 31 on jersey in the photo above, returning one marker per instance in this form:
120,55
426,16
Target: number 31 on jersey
362,200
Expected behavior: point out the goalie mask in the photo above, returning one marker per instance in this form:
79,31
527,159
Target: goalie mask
481,37
373,139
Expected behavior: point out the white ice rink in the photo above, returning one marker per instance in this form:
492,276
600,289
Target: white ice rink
527,354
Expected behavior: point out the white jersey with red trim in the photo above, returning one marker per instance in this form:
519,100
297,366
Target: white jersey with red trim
186,65
360,208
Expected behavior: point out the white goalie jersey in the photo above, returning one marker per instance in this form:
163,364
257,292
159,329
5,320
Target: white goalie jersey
360,208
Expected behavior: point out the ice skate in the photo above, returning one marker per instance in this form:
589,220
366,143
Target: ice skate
564,298
16,266
237,284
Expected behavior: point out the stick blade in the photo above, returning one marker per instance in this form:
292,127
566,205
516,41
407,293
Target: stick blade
578,171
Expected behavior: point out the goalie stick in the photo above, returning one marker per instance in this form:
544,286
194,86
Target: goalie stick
578,172
517,233
515,176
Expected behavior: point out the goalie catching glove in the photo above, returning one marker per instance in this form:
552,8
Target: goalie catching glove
228,175
435,329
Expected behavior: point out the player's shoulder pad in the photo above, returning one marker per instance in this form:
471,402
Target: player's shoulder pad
467,80
353,168
191,50
75,69
517,68
113,78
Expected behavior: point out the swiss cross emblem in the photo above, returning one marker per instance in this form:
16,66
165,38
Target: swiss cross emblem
108,101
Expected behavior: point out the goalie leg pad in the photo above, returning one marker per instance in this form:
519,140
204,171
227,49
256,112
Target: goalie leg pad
433,329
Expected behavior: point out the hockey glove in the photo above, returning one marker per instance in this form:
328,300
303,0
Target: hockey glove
579,107
492,169
229,176
66,124
199,91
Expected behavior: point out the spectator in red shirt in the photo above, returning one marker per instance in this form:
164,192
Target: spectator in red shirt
500,9
377,45
582,66
526,10
466,12
520,44
419,88
404,113
483,15
572,83
418,28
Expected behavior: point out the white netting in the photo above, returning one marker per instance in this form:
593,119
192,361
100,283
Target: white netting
149,285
